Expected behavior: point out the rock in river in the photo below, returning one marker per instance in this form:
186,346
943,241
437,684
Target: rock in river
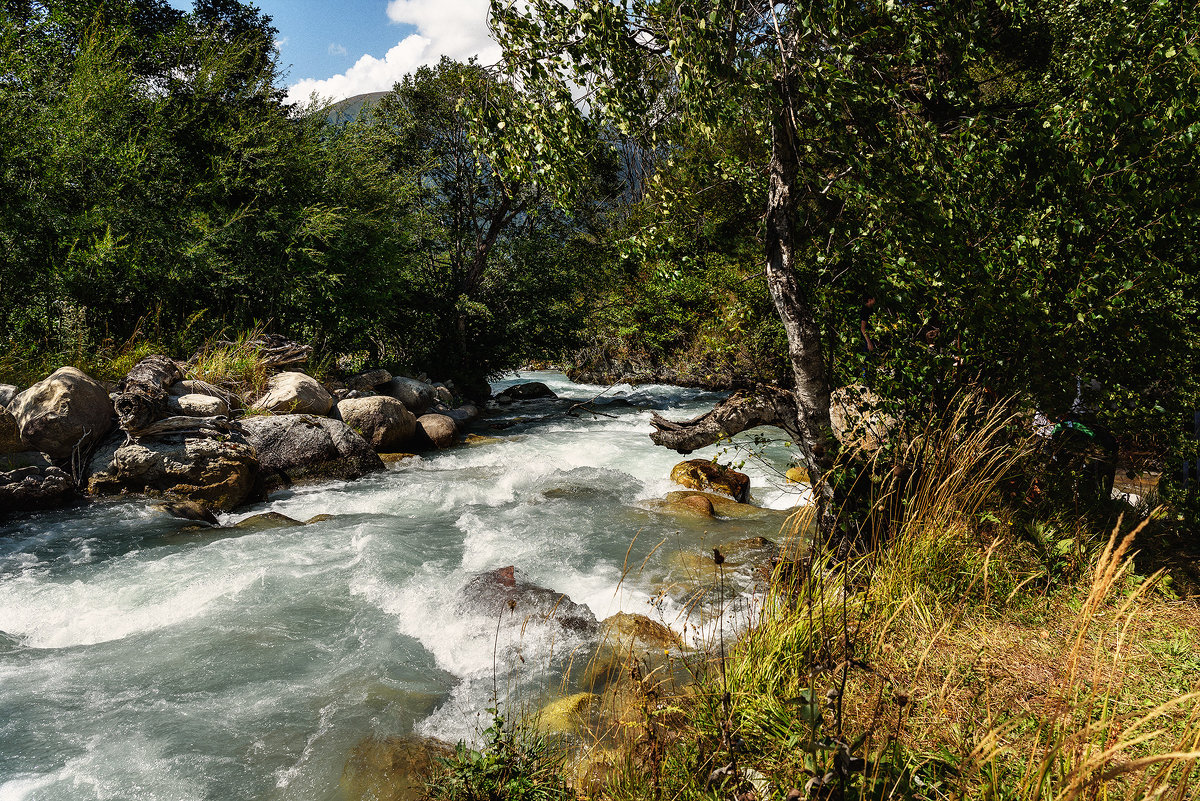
383,421
490,593
29,481
702,474
295,393
303,447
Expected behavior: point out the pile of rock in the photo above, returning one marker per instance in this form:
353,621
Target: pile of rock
157,433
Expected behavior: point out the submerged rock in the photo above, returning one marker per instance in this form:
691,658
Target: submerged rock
567,715
702,474
490,593
66,410
527,391
190,510
29,482
266,521
391,768
302,447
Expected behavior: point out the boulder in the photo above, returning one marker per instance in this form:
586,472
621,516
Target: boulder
796,474
191,386
198,406
416,395
29,481
527,391
702,474
858,420
436,431
364,382
625,629
569,715
218,472
7,393
10,433
190,510
443,395
302,447
383,421
490,594
266,521
65,410
461,417
295,393
391,768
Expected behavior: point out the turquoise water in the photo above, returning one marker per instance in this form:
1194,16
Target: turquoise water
139,660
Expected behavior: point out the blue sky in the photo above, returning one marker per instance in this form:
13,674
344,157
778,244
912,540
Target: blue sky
340,48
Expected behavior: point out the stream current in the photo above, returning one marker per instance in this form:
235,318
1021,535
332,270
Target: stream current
141,659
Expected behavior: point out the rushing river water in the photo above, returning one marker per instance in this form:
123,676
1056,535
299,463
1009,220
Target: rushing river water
142,660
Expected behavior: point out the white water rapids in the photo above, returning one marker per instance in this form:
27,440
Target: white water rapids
139,660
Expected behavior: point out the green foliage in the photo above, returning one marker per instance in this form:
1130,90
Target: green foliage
514,764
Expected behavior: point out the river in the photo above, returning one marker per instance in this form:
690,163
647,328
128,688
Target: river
143,660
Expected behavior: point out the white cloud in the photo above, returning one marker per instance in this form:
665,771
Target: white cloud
455,28
336,49
280,42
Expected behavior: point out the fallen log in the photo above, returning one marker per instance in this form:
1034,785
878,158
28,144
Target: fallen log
141,396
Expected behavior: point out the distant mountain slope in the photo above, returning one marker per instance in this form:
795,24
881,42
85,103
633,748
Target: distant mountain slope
347,110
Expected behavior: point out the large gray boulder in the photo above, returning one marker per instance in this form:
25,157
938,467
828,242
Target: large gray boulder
295,393
29,481
220,473
65,410
384,422
7,393
416,395
10,433
436,431
302,447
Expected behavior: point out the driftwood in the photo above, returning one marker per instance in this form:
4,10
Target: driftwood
277,351
141,396
188,426
764,406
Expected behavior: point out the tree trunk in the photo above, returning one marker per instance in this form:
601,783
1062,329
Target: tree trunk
802,413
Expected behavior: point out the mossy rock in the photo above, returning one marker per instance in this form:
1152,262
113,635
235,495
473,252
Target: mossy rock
627,628
390,768
395,458
797,475
566,715
476,440
725,507
317,519
266,521
702,474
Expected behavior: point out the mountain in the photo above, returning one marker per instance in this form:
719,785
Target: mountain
347,110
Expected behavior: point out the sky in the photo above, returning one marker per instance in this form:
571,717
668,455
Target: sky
342,48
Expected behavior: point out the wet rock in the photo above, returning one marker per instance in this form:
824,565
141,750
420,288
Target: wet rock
190,510
65,410
436,431
195,405
797,475
418,396
7,393
29,482
625,629
295,393
527,391
317,519
383,421
726,507
368,380
10,433
702,474
220,473
302,447
391,768
395,458
569,715
266,521
479,439
490,593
